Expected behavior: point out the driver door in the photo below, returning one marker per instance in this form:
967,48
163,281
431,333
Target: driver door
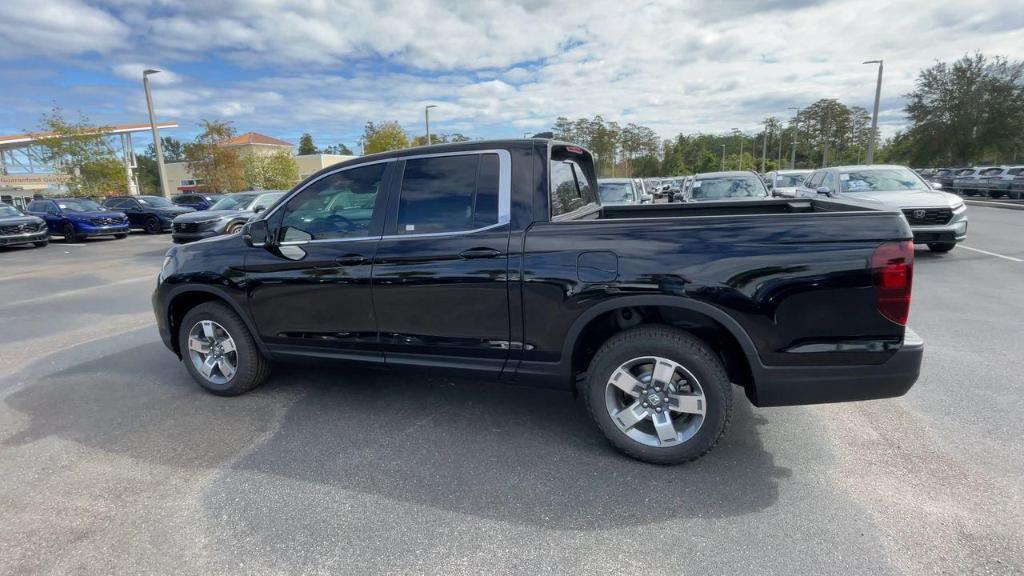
310,288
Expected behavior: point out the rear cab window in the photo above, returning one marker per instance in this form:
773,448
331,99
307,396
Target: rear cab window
572,178
448,194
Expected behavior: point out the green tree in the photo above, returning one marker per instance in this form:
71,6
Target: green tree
220,168
79,149
274,171
384,137
306,145
967,111
339,149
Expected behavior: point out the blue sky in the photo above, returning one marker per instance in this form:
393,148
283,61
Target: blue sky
495,69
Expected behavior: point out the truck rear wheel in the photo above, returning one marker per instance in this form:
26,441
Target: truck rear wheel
659,394
219,352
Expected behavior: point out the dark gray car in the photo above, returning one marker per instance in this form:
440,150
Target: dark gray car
225,217
18,228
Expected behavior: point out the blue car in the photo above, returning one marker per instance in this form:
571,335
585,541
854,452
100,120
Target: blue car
196,200
77,218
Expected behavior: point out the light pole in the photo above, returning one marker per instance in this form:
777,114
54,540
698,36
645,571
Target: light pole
764,146
723,157
874,116
796,128
739,161
426,119
156,133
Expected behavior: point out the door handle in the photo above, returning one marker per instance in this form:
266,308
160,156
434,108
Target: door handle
479,253
351,260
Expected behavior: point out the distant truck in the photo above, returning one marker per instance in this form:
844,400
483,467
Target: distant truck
498,259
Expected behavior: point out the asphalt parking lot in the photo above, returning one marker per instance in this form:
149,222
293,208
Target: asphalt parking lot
113,461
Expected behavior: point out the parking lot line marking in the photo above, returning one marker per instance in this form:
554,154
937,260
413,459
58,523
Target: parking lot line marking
77,291
1010,258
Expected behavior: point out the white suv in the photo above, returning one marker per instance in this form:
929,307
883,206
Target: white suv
938,219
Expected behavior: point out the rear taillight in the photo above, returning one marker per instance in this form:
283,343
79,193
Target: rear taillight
892,270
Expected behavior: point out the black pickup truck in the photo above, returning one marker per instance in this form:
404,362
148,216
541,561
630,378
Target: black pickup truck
497,258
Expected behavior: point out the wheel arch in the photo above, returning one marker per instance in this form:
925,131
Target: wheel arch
180,301
600,322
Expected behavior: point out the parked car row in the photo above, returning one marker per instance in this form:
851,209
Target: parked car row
991,181
188,216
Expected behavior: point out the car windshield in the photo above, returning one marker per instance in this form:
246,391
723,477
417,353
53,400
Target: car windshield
727,187
615,192
79,205
234,202
8,211
880,180
155,202
789,180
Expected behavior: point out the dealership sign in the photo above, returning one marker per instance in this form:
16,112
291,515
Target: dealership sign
33,179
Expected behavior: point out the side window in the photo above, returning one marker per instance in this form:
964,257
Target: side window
568,187
265,201
448,194
338,206
1014,171
829,181
814,180
114,203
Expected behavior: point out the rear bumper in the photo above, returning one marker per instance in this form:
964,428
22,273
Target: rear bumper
789,386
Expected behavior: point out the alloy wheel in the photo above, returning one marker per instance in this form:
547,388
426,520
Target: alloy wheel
212,351
655,401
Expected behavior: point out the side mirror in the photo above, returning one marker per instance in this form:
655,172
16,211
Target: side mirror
824,190
936,185
256,233
259,209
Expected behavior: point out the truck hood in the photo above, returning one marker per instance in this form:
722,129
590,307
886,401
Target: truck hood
905,198
206,215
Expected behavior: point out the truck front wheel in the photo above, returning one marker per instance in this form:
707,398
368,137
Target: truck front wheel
659,394
219,351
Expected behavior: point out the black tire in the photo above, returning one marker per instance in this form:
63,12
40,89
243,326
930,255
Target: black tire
41,243
152,225
252,369
121,236
68,230
941,246
680,347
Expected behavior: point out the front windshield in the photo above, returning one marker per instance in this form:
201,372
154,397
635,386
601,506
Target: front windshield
234,202
615,192
728,187
789,180
156,202
880,180
8,211
79,205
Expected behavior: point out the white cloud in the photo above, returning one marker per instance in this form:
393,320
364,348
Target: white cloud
497,67
57,28
133,71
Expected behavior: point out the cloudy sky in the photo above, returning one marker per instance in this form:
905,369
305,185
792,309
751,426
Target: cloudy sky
494,68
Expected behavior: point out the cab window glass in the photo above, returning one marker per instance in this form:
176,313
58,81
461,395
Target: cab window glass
448,194
337,206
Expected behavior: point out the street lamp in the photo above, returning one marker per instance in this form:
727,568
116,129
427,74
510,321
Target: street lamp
739,162
874,116
426,119
723,157
156,132
796,129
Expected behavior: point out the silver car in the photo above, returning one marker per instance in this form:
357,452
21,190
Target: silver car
938,219
785,183
620,191
226,216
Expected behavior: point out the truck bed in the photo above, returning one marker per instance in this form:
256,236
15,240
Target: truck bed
730,208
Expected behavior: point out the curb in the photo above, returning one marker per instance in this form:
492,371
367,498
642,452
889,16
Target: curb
1003,205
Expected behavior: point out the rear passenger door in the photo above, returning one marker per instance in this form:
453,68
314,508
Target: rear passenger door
440,274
